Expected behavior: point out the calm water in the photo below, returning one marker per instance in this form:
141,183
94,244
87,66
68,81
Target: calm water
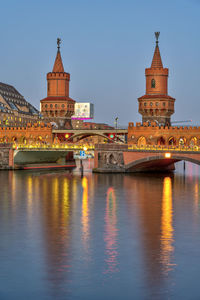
101,236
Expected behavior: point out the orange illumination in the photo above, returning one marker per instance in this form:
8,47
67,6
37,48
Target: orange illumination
167,230
85,214
167,155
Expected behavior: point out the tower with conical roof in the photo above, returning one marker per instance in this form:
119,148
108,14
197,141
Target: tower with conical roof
58,107
156,105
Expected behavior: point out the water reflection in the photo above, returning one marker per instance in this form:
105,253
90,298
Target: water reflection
167,225
29,197
104,233
85,214
150,204
56,216
111,231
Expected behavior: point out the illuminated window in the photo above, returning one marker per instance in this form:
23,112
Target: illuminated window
153,83
151,104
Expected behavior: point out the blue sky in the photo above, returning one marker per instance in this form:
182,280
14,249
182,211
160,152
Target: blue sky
107,45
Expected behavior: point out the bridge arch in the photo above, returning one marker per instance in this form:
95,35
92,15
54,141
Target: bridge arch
161,141
84,135
142,141
182,141
193,141
159,161
172,141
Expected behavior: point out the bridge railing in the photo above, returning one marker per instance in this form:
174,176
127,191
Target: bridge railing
52,146
164,148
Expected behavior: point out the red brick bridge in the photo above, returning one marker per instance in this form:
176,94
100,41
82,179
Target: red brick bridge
125,158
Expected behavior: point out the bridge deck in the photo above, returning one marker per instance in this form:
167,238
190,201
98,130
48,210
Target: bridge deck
86,131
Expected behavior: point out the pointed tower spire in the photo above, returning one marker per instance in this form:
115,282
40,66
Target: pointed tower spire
58,65
157,61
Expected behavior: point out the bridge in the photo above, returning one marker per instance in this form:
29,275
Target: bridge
132,158
30,156
108,158
111,135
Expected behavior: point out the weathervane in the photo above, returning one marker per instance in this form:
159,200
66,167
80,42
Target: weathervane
157,36
58,43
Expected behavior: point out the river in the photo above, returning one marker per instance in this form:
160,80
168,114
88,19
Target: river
103,236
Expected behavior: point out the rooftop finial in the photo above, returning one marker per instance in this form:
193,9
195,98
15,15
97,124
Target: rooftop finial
58,43
157,36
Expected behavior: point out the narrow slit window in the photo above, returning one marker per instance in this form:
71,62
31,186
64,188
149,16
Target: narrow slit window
153,83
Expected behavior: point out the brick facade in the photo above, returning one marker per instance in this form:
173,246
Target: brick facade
156,105
37,133
58,107
143,135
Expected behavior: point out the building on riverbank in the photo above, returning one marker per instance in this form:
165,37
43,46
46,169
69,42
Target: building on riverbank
15,111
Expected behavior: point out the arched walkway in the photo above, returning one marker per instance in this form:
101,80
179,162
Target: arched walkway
193,141
142,141
172,141
161,141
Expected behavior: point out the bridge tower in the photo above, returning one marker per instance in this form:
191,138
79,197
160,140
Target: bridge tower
156,105
58,107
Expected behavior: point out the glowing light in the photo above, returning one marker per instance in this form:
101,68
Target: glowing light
166,225
167,155
29,196
66,135
85,213
85,148
111,136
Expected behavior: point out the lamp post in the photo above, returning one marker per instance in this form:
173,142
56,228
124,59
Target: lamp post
116,119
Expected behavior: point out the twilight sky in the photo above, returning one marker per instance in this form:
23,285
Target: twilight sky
107,44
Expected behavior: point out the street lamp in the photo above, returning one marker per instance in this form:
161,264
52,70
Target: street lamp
116,119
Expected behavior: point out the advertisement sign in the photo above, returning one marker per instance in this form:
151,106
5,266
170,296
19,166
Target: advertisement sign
83,111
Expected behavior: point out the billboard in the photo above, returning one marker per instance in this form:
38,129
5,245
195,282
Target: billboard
83,111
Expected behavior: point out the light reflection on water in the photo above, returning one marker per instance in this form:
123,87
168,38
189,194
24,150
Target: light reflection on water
111,232
100,236
167,229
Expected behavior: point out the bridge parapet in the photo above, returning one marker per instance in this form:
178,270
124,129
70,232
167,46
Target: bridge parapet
154,134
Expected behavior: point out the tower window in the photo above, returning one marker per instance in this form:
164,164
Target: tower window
163,103
145,104
153,83
151,104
